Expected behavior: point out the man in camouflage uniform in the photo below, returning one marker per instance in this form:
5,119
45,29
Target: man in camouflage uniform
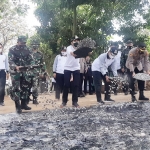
137,62
37,72
123,59
20,56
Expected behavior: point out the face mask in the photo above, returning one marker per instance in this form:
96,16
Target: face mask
75,44
35,47
110,56
64,53
129,47
22,46
141,51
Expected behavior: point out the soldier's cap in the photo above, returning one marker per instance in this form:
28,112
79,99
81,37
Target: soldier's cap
35,42
114,50
142,45
22,39
75,38
129,41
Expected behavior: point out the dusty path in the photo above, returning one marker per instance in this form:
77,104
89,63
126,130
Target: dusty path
47,101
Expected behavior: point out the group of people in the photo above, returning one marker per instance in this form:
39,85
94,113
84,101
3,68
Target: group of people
26,68
125,62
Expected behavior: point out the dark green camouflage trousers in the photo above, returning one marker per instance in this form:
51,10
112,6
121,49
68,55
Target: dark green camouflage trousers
20,86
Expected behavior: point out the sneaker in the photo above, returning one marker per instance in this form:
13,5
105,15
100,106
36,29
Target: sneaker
76,105
100,102
62,105
109,100
2,104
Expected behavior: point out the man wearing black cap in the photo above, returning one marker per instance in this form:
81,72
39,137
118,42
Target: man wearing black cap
100,72
123,59
20,56
137,62
71,66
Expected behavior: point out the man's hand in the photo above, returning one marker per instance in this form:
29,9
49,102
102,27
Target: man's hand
54,75
18,68
122,70
133,74
7,76
73,54
107,79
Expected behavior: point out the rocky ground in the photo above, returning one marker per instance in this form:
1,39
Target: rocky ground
118,126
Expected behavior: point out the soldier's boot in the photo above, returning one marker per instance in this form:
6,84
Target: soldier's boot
98,96
133,98
142,97
18,107
24,105
35,101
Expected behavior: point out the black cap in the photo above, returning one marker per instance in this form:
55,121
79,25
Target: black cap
115,44
114,50
22,39
129,41
142,45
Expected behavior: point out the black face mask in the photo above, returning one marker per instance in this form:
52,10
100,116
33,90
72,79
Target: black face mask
35,47
75,44
22,46
129,47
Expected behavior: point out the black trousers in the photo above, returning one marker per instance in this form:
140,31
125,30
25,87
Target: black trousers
76,79
59,84
90,80
80,83
2,85
132,81
98,77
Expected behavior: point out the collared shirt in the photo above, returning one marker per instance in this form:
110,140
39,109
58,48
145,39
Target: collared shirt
102,63
4,62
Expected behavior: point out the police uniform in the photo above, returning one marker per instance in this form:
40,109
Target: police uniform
100,71
134,65
20,55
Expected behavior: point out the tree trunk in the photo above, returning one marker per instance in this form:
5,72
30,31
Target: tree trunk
74,21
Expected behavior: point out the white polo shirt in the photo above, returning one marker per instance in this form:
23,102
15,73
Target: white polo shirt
4,62
72,63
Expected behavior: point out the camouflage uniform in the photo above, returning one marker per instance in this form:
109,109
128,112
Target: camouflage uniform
20,55
37,60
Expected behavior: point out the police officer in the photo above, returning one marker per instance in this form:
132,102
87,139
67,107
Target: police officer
100,72
123,59
20,56
39,72
137,62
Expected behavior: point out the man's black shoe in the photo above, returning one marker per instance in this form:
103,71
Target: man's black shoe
109,100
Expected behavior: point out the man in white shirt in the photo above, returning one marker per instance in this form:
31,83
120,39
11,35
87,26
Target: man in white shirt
4,74
100,72
72,66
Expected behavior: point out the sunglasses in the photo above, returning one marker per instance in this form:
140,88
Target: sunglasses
142,49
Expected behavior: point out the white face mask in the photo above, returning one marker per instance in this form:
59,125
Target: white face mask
64,53
111,56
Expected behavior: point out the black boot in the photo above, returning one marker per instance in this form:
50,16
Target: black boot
18,107
108,99
133,98
35,101
24,105
142,97
98,96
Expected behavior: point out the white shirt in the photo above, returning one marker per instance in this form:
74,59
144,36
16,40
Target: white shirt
4,62
59,64
102,62
118,60
72,63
